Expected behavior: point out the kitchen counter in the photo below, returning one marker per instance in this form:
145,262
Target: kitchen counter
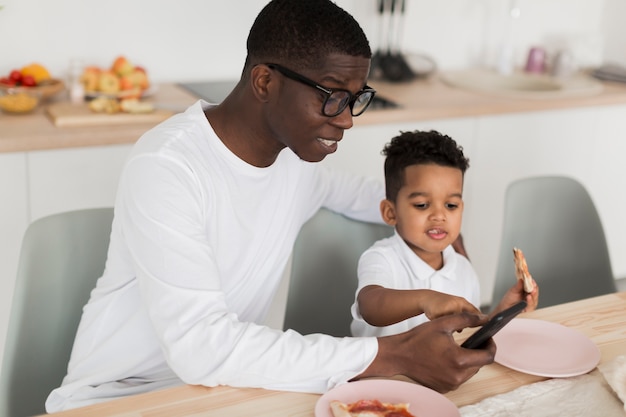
35,131
431,99
425,99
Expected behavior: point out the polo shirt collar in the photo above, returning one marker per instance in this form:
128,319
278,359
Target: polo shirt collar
420,269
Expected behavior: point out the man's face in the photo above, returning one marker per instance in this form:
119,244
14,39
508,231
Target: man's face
295,114
428,210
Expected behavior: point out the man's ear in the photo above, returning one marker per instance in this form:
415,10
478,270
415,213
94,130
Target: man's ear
260,76
388,212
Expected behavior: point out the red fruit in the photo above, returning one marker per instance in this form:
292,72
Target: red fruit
7,81
28,81
16,76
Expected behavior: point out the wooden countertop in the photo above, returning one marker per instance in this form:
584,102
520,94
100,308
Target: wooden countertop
425,99
35,131
602,319
431,99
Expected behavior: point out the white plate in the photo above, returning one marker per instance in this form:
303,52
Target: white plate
423,402
147,93
543,348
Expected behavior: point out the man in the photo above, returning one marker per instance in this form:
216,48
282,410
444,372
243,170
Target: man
209,205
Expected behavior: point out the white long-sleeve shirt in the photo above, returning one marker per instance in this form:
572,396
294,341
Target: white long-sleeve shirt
199,243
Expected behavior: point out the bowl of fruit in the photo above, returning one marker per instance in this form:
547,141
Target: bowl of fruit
33,78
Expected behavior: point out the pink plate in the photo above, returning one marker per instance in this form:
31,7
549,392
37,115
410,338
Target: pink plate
423,402
543,348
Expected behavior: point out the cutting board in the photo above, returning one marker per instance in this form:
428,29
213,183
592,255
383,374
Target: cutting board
72,115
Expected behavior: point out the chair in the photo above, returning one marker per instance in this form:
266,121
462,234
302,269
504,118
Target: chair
324,272
555,223
61,258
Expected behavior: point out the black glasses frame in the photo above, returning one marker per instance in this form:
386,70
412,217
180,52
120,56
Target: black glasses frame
328,91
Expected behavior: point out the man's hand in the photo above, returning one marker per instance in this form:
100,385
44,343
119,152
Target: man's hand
429,354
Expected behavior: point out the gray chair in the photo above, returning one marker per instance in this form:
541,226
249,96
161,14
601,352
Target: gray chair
324,272
61,258
554,222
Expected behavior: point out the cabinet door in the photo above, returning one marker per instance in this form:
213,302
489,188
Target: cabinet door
604,174
13,222
68,179
587,144
360,150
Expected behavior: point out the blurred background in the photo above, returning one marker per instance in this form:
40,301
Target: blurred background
205,39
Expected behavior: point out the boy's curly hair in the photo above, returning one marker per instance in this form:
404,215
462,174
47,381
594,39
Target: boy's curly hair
419,147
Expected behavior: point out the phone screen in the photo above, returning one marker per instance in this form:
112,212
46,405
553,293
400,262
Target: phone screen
497,322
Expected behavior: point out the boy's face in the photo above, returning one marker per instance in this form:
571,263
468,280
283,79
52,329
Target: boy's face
428,210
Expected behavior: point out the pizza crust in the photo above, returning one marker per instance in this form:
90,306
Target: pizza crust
521,270
339,409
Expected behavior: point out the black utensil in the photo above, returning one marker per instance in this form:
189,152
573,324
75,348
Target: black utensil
375,67
394,66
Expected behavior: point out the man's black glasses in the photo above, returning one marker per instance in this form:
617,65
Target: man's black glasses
336,99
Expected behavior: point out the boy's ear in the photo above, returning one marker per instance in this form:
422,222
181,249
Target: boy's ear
388,212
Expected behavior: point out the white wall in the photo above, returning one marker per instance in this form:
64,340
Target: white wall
205,39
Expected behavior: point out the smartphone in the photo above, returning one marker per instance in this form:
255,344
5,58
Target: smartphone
493,326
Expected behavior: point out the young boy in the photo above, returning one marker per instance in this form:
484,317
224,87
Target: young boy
416,275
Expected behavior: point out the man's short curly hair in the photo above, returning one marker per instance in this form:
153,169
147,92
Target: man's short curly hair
302,33
415,148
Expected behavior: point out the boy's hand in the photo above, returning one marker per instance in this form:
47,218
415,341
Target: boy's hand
516,294
437,304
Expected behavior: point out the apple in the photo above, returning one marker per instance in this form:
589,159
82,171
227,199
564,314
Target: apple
16,76
136,79
90,78
126,82
141,78
122,66
29,81
108,82
7,81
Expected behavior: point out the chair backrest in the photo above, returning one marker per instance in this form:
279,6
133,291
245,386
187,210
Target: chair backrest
61,258
324,272
555,223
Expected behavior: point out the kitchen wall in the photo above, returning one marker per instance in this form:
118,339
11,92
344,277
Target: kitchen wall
205,39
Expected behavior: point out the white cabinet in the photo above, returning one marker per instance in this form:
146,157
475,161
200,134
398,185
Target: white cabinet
68,179
587,144
39,183
360,149
13,221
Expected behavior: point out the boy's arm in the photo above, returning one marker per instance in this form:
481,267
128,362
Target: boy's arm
380,306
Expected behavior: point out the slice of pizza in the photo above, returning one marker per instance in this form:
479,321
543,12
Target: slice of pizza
369,408
521,270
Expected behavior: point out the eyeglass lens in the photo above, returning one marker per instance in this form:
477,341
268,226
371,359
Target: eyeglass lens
338,100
